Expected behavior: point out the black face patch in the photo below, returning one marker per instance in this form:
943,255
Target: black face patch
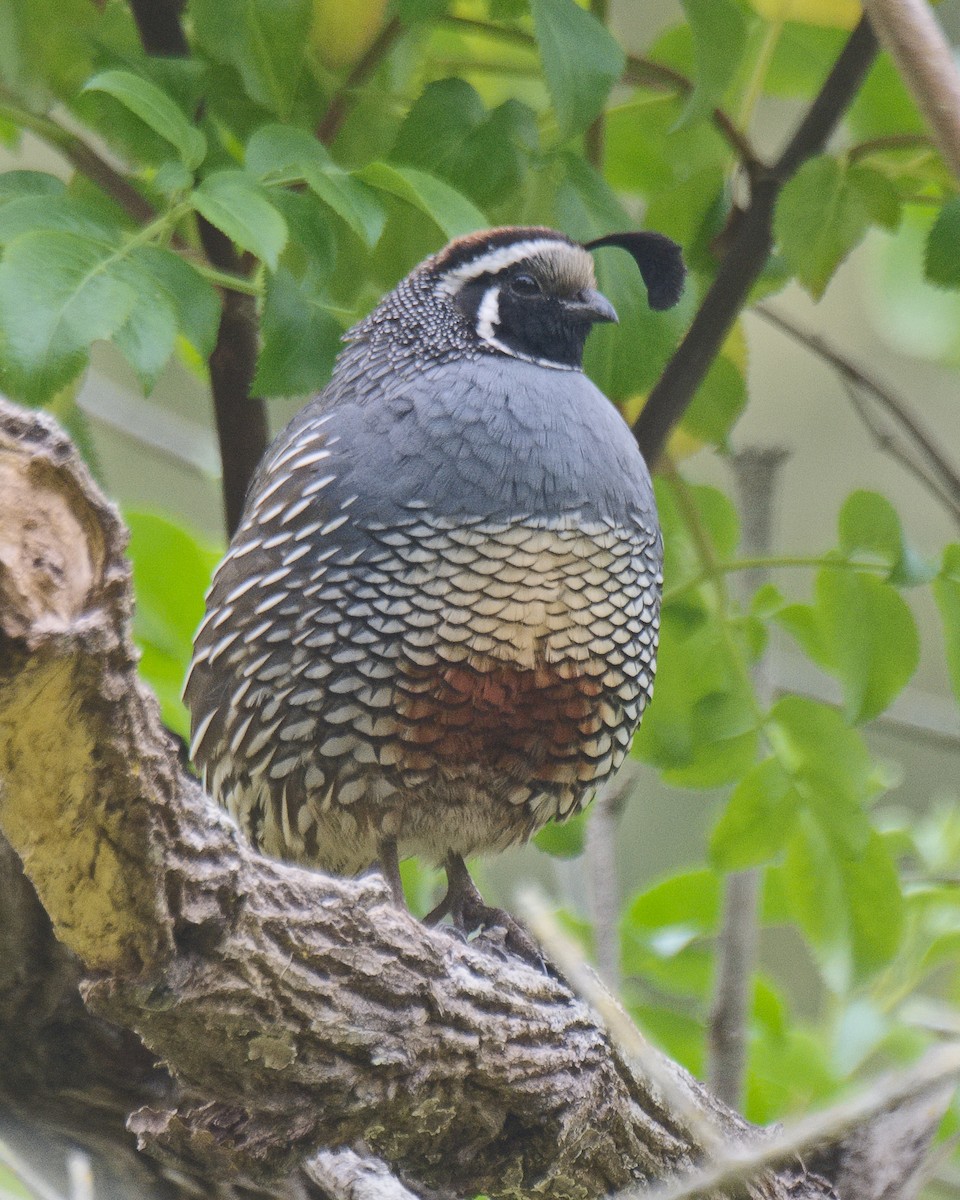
525,320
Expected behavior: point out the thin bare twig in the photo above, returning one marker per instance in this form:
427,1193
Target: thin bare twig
935,1076
27,1175
639,1054
890,141
934,470
924,59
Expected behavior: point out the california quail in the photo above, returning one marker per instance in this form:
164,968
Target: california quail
436,626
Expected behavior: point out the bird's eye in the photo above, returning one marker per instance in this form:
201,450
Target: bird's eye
525,285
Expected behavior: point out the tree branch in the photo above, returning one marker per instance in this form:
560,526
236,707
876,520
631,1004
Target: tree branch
296,1012
749,249
924,58
339,106
756,472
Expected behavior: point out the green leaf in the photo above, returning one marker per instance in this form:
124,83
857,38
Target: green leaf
828,765
194,301
301,339
717,402
285,154
870,528
875,905
883,105
169,603
814,895
155,108
626,360
871,639
16,184
61,211
757,819
264,40
662,930
350,199
819,219
581,61
564,839
946,591
701,732
238,207
148,336
942,259
647,151
452,213
878,194
449,133
58,293
720,29
439,121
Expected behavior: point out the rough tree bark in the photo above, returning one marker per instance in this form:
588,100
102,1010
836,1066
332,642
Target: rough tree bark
264,1024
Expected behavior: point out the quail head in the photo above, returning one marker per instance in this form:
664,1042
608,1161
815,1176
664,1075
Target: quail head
435,629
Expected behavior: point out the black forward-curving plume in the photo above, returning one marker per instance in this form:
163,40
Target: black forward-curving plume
660,261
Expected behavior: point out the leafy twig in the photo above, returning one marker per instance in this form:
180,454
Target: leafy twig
241,418
769,563
909,30
645,72
890,141
639,72
81,156
750,246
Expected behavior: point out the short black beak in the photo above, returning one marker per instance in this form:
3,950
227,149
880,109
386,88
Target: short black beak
591,305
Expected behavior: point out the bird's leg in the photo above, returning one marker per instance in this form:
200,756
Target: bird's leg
390,868
469,911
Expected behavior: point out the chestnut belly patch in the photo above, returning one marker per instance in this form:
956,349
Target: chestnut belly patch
550,723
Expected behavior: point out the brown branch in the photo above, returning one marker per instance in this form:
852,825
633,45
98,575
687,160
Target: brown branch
159,27
241,419
749,249
889,141
296,1012
646,72
339,106
924,58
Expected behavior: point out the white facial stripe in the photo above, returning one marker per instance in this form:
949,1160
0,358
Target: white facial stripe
488,320
495,260
488,314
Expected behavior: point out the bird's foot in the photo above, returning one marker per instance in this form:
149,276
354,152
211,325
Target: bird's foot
469,912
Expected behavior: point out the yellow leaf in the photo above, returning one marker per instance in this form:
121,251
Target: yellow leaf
829,14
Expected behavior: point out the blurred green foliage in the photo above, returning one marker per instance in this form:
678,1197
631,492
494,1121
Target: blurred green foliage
478,112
